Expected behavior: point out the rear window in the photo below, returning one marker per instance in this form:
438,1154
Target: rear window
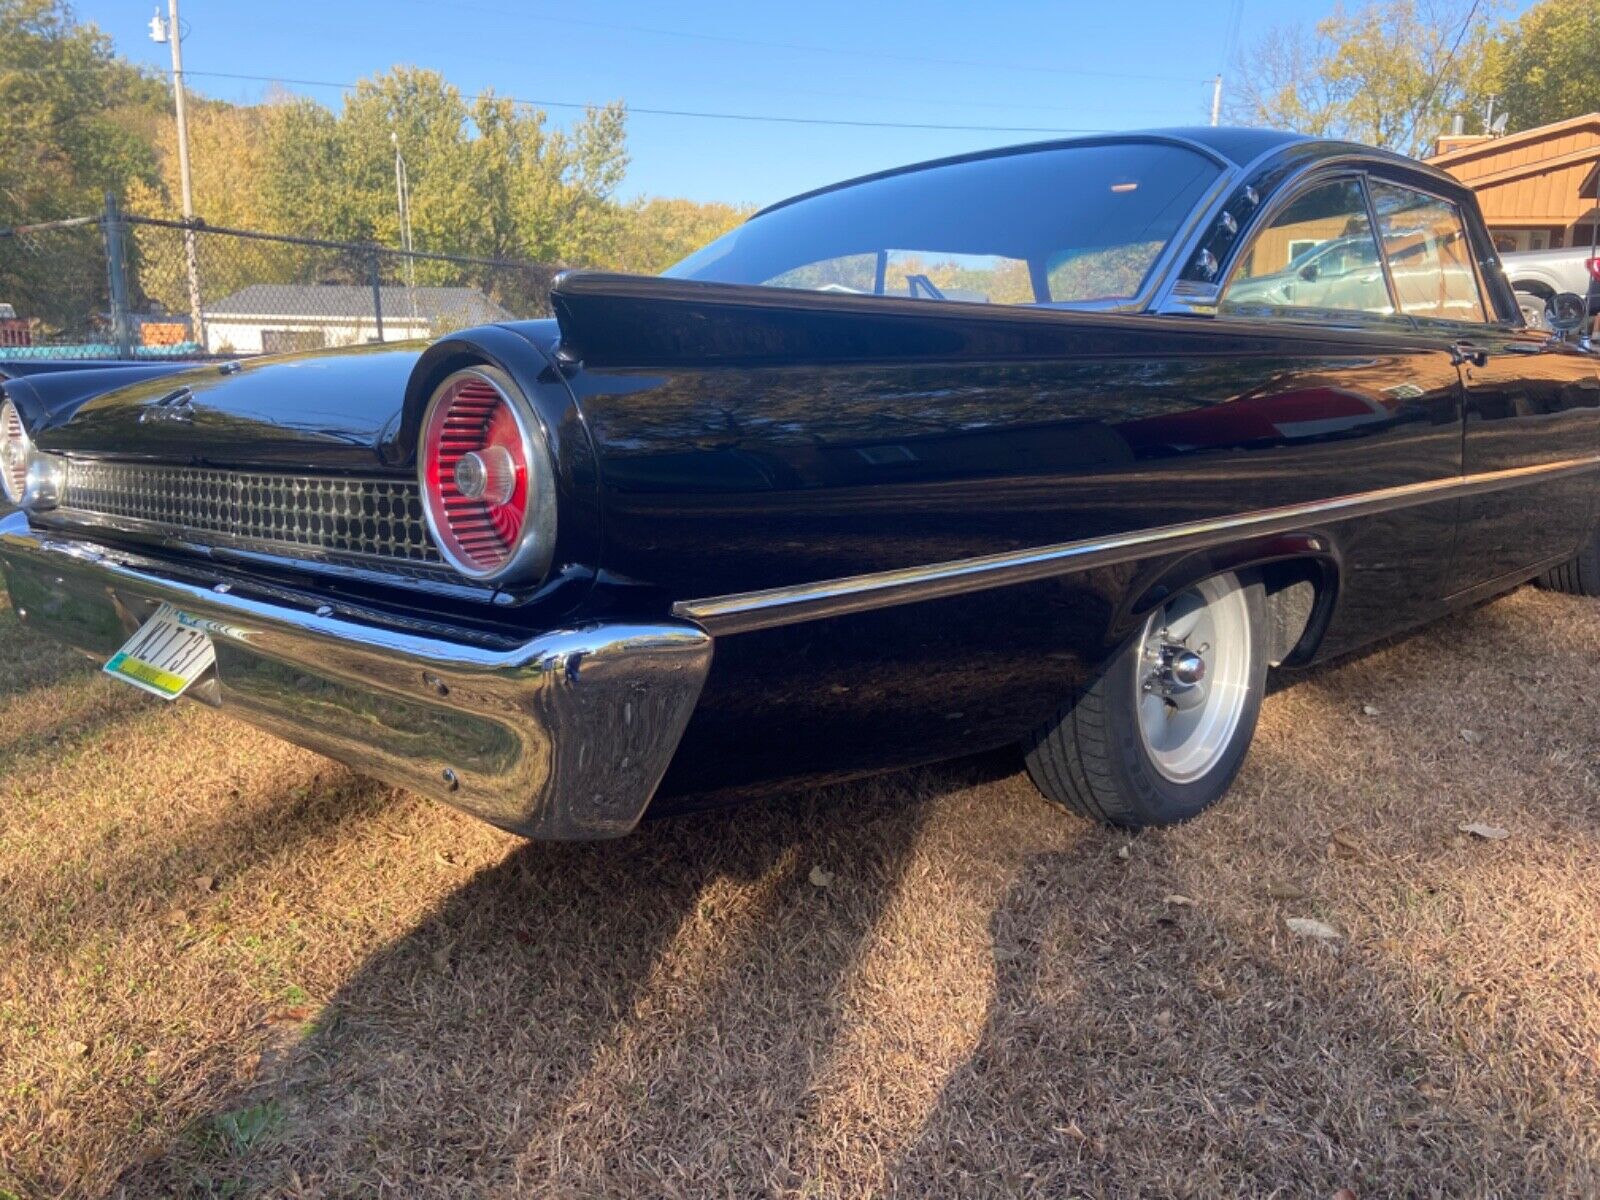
1072,225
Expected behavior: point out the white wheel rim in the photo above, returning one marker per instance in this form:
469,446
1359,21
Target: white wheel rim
1187,728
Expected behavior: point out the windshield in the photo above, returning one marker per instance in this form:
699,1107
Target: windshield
1070,225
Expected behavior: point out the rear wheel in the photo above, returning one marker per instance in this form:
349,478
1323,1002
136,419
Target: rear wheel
1580,574
1161,733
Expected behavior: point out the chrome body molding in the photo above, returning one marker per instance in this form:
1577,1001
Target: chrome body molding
771,607
565,736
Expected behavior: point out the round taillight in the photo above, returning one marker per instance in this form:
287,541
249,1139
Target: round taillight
15,451
487,484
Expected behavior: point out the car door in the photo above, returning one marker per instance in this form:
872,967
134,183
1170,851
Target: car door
1529,401
1384,414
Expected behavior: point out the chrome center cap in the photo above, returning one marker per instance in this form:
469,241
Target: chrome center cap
488,475
1187,668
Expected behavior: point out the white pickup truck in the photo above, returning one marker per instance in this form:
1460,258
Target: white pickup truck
1538,276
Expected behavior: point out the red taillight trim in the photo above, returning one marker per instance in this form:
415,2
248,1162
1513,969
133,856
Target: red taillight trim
1593,264
473,411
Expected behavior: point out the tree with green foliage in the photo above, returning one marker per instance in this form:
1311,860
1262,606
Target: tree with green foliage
650,235
76,124
1390,74
488,177
75,114
1545,65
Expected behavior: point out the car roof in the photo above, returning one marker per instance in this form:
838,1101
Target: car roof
1233,146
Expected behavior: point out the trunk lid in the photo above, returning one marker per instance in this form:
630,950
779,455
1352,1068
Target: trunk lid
337,411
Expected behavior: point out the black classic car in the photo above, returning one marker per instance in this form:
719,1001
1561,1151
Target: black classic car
1059,446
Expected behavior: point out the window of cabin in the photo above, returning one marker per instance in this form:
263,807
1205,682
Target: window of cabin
1430,257
1317,254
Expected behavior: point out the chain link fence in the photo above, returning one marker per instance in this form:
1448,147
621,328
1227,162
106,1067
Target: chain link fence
118,286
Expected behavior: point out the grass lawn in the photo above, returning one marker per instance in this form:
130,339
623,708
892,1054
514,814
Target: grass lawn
229,967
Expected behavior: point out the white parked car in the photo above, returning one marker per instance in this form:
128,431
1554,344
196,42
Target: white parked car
1538,276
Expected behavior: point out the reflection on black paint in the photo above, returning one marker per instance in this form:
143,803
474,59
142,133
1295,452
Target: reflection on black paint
964,437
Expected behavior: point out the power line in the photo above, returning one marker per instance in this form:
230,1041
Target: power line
1433,85
693,113
1232,38
875,54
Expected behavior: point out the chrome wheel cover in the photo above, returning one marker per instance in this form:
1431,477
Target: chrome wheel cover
1187,725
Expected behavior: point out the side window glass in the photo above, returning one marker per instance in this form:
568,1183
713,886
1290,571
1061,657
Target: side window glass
848,273
1317,254
1429,255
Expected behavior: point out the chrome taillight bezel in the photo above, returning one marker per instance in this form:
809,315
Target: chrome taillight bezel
528,561
16,453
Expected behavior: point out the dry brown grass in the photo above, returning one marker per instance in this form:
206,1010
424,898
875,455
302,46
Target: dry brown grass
227,966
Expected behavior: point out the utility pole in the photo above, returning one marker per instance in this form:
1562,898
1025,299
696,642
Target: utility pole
1216,98
402,199
172,33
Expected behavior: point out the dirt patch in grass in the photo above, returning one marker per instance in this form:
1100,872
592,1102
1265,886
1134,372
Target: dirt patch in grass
229,967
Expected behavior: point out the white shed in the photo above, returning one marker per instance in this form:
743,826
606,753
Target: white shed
273,318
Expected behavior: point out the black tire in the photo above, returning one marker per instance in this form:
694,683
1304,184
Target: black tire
1091,757
1580,574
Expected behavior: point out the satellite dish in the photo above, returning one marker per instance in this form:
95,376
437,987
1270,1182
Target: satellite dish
1499,125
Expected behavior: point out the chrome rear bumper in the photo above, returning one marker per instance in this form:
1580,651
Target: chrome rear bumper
565,736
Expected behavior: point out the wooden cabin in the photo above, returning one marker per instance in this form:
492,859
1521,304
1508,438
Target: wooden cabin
1537,188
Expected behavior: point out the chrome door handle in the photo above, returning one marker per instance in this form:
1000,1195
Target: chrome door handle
1466,352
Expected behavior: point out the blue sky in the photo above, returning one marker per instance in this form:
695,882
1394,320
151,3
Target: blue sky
1040,65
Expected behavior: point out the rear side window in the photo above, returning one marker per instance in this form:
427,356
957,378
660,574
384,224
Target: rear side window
1430,258
1317,254
1076,224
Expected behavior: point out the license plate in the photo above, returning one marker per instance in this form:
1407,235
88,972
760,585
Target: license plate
170,651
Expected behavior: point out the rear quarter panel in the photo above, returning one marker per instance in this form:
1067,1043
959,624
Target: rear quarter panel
799,440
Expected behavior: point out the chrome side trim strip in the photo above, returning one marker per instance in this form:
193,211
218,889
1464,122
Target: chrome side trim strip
744,612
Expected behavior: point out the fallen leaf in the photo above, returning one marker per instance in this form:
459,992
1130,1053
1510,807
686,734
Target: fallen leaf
1164,1019
1349,843
1471,737
1280,890
1491,833
1370,710
176,916
205,883
444,858
1308,927
1071,1130
1343,1194
820,878
1178,900
76,1049
1123,851
299,1014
